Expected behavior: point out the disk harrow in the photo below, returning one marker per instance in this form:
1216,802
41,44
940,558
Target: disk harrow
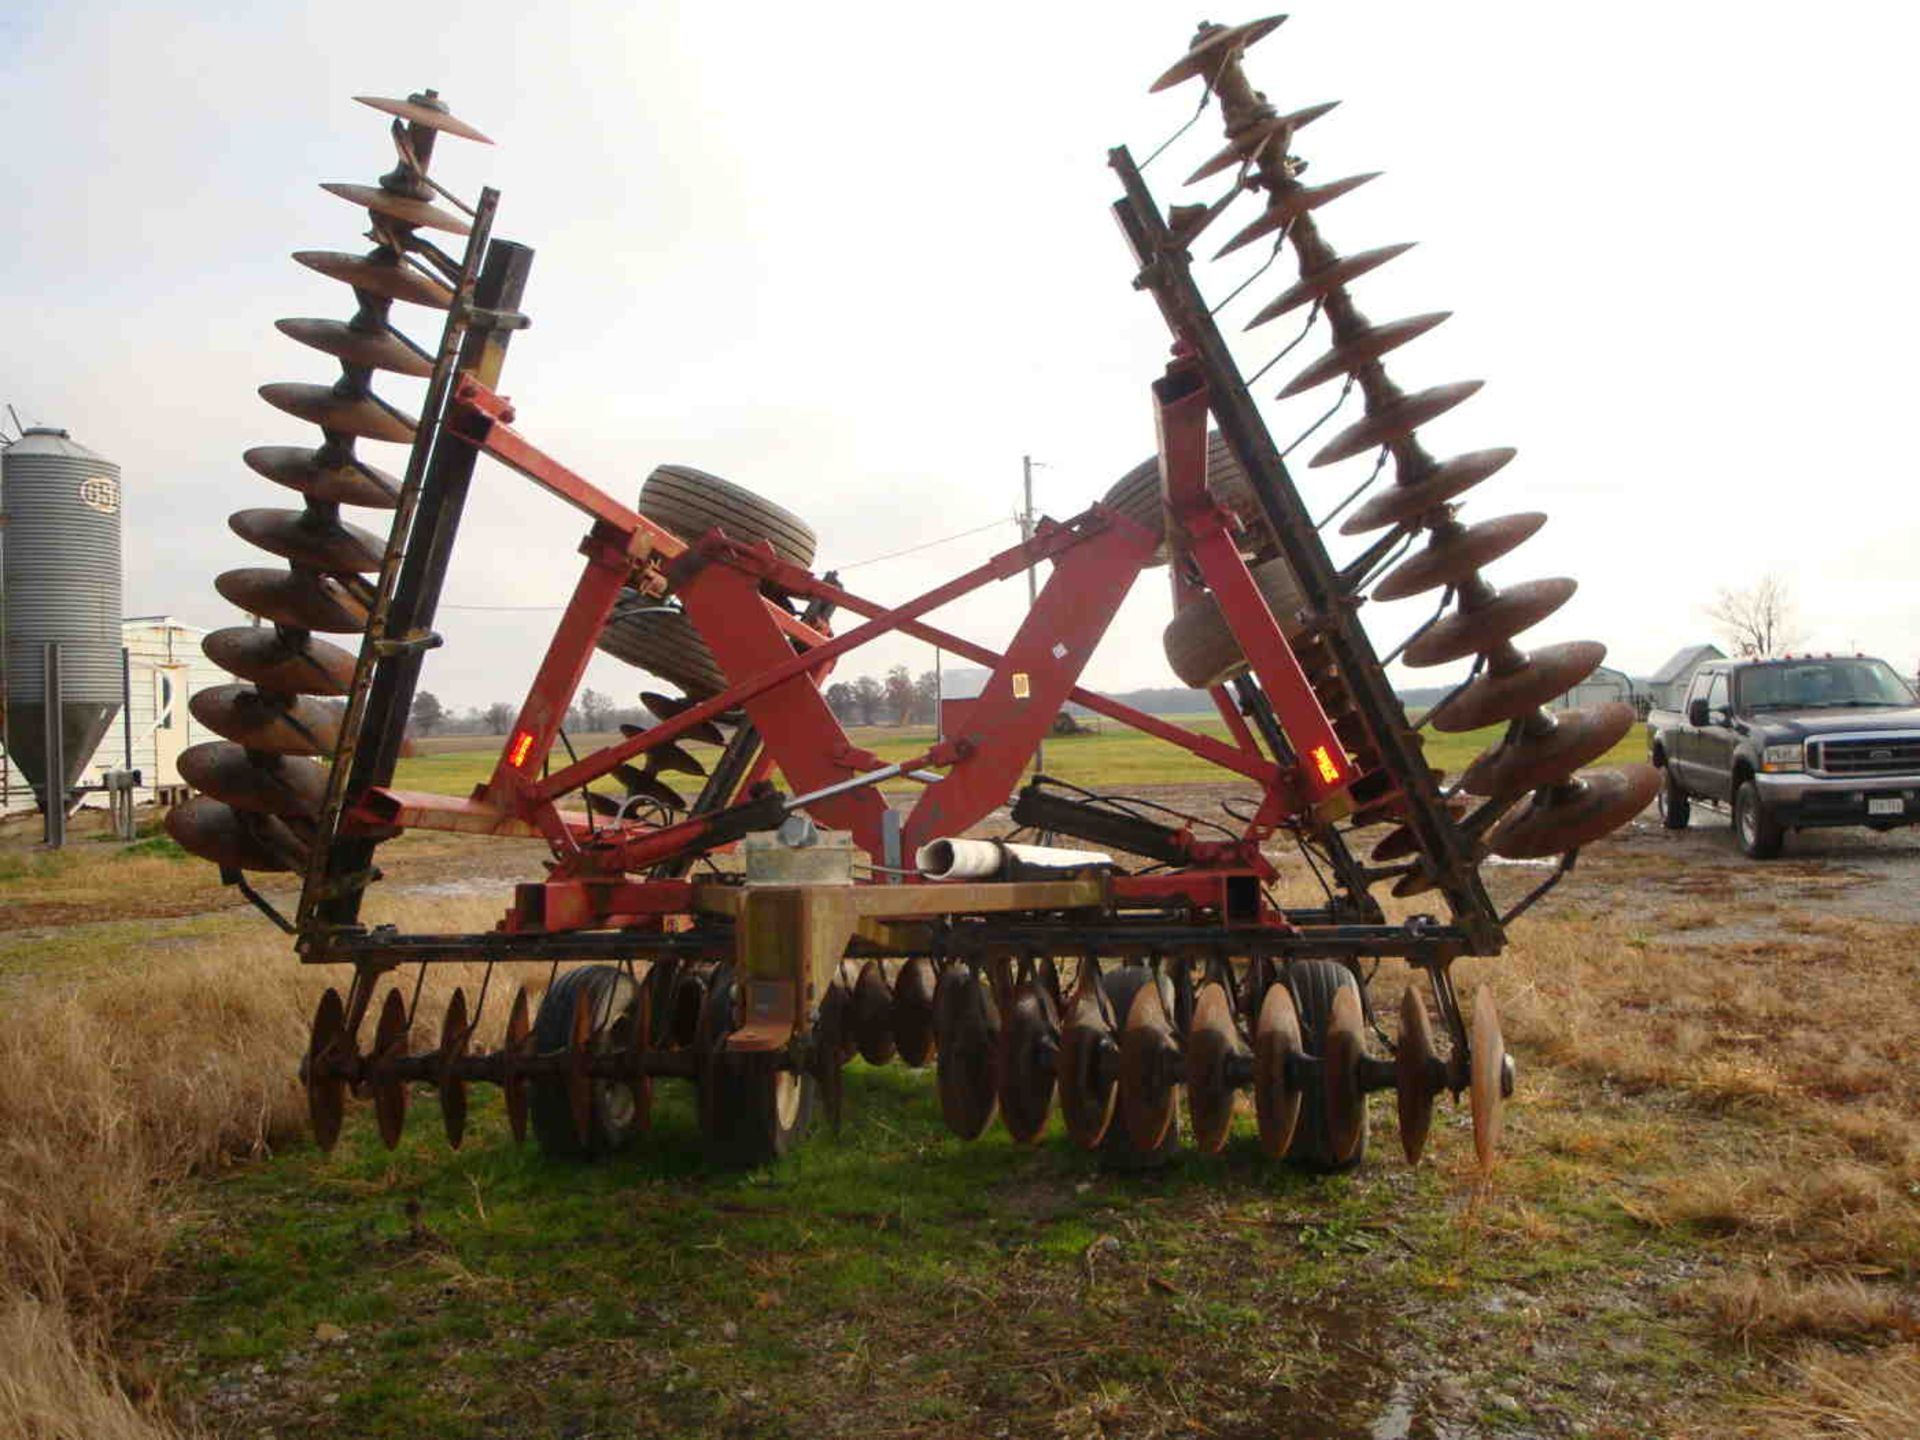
1149,971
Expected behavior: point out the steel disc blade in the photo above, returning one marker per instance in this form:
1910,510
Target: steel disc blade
1029,1061
833,1028
381,273
1413,1070
1491,698
872,1014
432,116
1577,739
968,1043
517,1046
602,804
672,759
1361,347
398,207
1276,1099
1087,1089
298,599
329,1061
1397,844
289,664
639,1041
391,1041
578,1079
376,349
1415,882
1149,1067
1513,610
365,414
277,724
454,1035
1565,817
265,784
646,785
1485,1065
1318,284
216,831
913,991
1455,555
1342,1048
1394,421
1402,504
1249,144
1213,1043
666,707
1289,205
310,542
1212,52
318,477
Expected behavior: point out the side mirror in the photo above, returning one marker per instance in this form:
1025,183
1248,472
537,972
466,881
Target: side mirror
1697,712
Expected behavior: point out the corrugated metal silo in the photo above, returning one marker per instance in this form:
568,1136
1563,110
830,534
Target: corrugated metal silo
62,578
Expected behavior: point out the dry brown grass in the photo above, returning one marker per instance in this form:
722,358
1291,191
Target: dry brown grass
1858,1397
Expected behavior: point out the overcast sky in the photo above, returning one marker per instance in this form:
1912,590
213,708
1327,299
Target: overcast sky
858,258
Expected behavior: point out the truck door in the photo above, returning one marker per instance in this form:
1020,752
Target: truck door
1683,747
1715,742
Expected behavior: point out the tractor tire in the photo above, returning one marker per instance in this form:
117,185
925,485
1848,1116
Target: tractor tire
690,502
662,642
1758,834
1675,807
1202,648
1120,985
1136,495
613,995
752,1112
1313,983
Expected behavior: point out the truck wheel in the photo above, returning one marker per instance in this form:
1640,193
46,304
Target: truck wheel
753,1111
1675,807
612,995
1757,832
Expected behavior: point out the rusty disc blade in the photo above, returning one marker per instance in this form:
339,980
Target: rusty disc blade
216,831
1490,698
318,476
872,1014
1149,1070
277,724
1085,1069
455,1032
1414,882
1475,632
390,1042
1455,554
673,760
1276,1099
309,541
517,1047
833,1025
1341,1049
1578,812
398,207
274,660
1213,1044
1256,138
1576,739
1413,1069
1214,50
1318,284
666,707
639,1040
579,1080
1029,1064
1484,1067
364,414
644,783
1395,420
1402,504
912,1015
1397,844
264,784
431,114
329,1063
382,273
602,804
969,1041
298,599
1289,205
377,349
1368,343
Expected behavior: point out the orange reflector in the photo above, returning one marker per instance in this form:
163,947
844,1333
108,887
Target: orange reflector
1324,763
517,752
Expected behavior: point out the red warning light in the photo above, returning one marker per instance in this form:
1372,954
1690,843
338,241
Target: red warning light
517,752
1325,764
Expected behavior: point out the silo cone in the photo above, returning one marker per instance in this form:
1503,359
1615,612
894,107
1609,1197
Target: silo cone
62,577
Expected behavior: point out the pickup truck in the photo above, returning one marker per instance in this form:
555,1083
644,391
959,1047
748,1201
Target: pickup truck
1791,744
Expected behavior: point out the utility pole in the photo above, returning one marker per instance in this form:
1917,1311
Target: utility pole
1026,534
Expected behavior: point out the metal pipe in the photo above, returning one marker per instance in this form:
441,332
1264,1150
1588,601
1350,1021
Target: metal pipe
957,859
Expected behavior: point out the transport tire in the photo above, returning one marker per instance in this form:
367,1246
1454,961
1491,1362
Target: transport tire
1136,494
1314,983
612,995
691,502
1675,808
1203,650
663,642
752,1111
1756,832
1120,985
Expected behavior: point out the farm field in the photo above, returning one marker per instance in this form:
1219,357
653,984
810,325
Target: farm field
1706,1221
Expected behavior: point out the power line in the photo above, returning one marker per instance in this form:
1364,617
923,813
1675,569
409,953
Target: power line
916,549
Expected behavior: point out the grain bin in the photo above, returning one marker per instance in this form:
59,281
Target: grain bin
62,583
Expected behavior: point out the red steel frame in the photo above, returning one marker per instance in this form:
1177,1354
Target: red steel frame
777,662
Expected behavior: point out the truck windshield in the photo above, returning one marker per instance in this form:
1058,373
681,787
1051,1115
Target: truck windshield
1822,685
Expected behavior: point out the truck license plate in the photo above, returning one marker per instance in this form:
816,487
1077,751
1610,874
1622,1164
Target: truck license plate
1890,805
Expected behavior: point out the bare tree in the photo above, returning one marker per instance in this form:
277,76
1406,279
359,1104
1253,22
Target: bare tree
1756,622
497,717
428,712
597,708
